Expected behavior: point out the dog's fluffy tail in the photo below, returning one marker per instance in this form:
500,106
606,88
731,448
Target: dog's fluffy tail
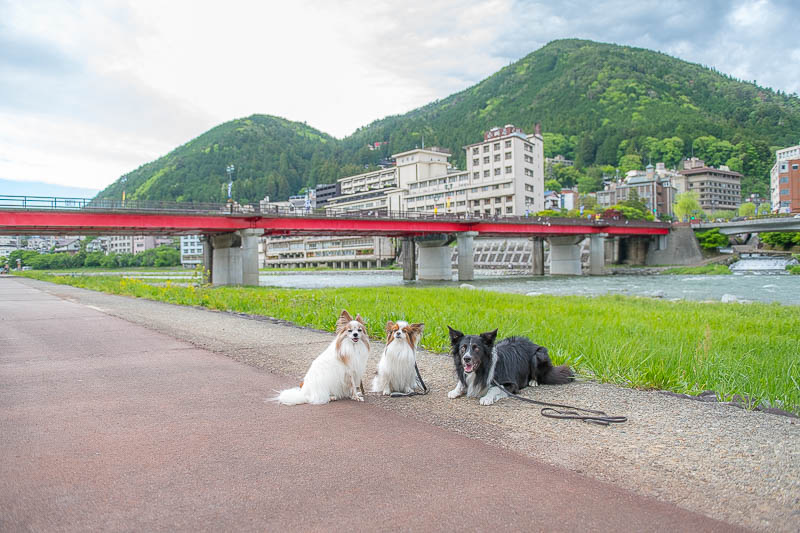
293,396
557,375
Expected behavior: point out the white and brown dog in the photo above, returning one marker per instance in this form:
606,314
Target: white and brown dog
335,373
397,367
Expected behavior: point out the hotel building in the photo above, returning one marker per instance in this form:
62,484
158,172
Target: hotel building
718,189
785,181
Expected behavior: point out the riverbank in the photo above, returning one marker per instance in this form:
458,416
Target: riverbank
684,347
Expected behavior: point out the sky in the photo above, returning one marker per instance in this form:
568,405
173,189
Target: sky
92,89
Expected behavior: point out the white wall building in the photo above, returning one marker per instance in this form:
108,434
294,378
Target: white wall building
191,251
781,161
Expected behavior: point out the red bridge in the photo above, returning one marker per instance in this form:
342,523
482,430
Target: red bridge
233,230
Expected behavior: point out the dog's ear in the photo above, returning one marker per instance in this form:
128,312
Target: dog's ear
455,335
489,337
389,326
418,327
342,322
359,319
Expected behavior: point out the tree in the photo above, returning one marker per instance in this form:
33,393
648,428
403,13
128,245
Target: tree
712,239
747,209
589,183
552,185
687,204
630,162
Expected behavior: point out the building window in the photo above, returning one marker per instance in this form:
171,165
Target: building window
485,148
784,192
497,157
508,155
785,179
794,167
509,198
497,172
475,150
476,161
508,170
509,210
476,175
508,144
486,173
496,146
486,159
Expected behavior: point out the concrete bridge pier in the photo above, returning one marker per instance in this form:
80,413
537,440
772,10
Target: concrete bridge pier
537,256
565,255
466,255
408,254
597,256
233,257
435,257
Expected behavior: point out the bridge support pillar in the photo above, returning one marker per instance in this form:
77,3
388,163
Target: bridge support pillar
466,258
565,255
409,256
597,256
435,256
234,258
537,256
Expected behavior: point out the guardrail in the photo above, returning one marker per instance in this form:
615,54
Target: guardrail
45,203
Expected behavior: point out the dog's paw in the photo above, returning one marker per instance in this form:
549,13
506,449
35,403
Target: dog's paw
533,383
453,394
387,392
487,400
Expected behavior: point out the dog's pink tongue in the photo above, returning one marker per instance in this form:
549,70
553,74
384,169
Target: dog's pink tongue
468,367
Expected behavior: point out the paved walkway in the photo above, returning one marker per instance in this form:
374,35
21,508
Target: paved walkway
106,425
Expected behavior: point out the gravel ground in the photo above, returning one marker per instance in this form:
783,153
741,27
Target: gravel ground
735,465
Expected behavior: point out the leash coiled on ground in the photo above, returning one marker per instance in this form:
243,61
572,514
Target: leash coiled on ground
571,413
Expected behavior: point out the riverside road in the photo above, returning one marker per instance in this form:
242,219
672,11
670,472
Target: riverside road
107,424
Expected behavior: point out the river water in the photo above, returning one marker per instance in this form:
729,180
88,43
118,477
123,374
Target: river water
780,288
748,286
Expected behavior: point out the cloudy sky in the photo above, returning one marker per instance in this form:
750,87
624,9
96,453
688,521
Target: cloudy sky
91,89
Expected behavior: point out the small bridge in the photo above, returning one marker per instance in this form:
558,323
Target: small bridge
232,230
755,225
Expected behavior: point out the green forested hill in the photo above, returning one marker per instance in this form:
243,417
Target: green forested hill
272,156
601,104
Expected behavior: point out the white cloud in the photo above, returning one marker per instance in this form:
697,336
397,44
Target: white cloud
91,89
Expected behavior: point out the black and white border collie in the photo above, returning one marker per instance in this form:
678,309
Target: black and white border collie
514,362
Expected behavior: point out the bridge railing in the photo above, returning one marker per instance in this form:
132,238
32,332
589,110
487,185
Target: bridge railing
39,203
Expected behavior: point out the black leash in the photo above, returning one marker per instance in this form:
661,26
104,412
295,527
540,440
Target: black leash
596,417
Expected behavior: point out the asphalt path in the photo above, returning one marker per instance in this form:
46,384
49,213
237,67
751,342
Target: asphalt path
106,425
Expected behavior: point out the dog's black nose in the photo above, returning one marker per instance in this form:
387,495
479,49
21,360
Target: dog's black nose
467,358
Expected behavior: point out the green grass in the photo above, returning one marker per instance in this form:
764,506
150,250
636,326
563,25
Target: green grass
794,269
706,269
114,271
686,347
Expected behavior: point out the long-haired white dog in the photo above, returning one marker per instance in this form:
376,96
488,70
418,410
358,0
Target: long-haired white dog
335,373
396,369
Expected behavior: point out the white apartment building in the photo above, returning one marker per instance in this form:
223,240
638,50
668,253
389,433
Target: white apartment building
504,177
191,251
133,244
781,166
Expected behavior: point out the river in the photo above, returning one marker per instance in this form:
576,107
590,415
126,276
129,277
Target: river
780,288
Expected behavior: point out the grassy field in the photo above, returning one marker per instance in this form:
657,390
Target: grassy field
685,347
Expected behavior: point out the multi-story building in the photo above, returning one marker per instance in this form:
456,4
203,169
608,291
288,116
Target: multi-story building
134,244
191,251
654,187
325,191
504,177
717,188
785,181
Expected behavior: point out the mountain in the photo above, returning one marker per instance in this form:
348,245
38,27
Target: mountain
600,104
271,156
